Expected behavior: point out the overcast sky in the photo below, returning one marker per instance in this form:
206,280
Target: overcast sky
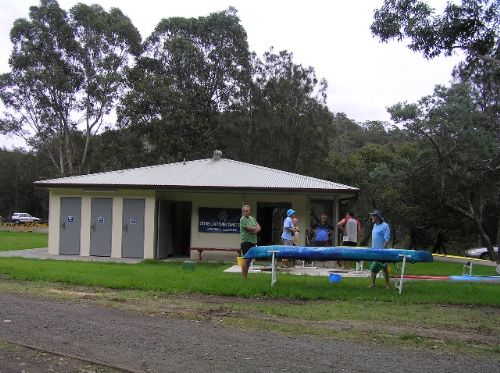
364,75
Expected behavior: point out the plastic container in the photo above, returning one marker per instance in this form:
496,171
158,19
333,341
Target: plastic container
188,265
240,260
334,277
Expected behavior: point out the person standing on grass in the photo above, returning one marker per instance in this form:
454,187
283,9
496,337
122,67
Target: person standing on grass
381,235
249,228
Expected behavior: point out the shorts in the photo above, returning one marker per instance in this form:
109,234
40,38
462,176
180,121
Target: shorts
321,243
245,246
376,267
349,243
288,242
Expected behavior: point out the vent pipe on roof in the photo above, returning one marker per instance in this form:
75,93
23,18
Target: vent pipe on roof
217,155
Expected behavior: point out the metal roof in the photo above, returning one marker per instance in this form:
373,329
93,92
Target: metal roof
211,173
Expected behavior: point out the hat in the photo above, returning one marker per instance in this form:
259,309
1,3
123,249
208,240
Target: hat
290,212
378,213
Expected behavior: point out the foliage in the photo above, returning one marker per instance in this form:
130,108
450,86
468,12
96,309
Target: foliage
471,27
283,122
66,74
18,172
462,148
190,70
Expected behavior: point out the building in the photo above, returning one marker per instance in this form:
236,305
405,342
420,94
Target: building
171,210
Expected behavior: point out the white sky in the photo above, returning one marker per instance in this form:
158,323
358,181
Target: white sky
364,75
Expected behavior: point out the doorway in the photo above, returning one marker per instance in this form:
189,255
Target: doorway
173,229
70,225
100,227
270,216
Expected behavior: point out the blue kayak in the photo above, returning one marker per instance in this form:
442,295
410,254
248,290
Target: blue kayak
476,278
311,253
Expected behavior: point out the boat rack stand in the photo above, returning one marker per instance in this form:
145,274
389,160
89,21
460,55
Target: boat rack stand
398,282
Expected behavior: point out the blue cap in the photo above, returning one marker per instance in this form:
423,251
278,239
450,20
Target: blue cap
378,213
290,212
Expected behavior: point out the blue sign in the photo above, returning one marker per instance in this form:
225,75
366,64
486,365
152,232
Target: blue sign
217,220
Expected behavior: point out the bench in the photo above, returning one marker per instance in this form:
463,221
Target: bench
202,249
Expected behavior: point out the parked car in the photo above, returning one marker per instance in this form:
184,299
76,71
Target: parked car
480,252
23,217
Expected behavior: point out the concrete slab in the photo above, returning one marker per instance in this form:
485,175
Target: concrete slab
43,253
303,271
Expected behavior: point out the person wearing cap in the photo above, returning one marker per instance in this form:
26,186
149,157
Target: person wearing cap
288,228
248,234
381,234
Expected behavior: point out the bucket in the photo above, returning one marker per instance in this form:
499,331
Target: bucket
188,265
334,277
240,260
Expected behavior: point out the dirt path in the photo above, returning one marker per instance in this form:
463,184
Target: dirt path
155,343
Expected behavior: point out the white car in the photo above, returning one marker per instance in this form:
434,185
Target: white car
23,217
480,252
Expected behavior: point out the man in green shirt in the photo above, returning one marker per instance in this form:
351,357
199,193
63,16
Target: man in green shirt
248,234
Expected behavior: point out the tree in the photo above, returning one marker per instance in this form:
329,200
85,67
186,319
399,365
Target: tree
190,71
283,122
66,76
462,148
18,172
471,27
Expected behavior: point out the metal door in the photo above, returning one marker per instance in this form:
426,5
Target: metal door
69,231
100,226
133,228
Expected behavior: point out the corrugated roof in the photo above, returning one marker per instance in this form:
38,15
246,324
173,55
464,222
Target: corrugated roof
211,173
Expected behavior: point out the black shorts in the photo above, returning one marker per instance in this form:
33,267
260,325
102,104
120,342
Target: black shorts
245,246
349,243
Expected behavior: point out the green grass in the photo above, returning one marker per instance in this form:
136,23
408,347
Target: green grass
22,240
208,278
444,269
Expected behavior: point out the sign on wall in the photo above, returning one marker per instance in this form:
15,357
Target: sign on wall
218,220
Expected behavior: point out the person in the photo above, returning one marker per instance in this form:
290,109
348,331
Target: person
439,244
322,230
381,234
351,228
288,228
249,228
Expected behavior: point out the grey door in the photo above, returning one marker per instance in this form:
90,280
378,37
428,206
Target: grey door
100,226
133,228
70,222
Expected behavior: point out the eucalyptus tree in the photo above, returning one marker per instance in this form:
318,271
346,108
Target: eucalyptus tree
462,148
66,75
471,27
192,69
283,121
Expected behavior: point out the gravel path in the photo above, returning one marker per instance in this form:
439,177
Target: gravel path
147,343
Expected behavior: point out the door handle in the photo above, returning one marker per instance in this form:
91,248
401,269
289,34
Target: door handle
92,227
63,226
125,228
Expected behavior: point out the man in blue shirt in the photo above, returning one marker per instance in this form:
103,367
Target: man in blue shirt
381,235
288,228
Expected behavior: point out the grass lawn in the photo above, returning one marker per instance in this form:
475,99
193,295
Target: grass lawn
22,240
208,278
434,315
